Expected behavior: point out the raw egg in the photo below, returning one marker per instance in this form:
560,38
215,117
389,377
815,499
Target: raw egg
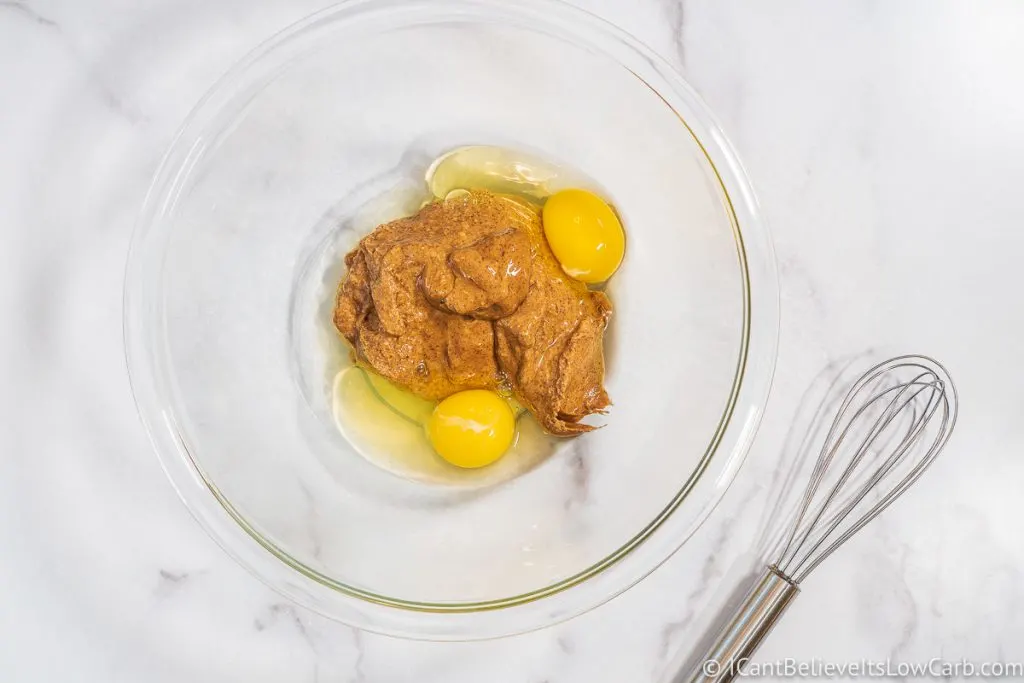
584,234
472,428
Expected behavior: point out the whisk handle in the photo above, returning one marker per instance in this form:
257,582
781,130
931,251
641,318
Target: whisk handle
744,633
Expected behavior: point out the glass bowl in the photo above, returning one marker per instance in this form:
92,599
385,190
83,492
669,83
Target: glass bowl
236,251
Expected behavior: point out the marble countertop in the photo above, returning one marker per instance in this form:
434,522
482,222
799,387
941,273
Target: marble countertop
885,142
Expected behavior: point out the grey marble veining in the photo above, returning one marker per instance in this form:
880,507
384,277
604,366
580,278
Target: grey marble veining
884,141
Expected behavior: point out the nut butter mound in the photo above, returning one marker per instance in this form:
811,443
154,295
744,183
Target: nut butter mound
466,294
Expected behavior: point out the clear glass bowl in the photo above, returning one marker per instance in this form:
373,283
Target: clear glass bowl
223,327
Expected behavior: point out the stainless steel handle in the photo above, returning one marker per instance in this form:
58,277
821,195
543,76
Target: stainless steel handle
752,622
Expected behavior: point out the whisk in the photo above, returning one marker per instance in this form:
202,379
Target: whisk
889,428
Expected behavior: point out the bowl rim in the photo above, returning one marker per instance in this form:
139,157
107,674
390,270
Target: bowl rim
593,586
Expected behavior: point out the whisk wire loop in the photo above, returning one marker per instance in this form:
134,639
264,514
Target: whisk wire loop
891,410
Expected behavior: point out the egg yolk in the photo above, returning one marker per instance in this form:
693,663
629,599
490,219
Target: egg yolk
584,234
472,428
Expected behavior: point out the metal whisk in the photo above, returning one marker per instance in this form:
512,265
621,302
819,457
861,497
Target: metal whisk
889,428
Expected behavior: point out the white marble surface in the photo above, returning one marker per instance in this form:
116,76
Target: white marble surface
886,142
